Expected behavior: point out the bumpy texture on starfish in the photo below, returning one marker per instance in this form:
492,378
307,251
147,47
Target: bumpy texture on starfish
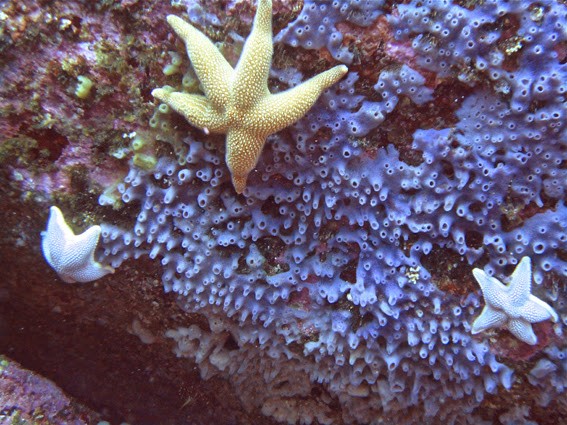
70,255
237,101
513,306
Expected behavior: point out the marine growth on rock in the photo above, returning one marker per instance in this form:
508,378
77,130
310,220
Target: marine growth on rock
338,286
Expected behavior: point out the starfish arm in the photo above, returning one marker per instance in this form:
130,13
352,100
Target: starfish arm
80,264
211,67
493,291
278,111
54,237
489,318
536,310
195,108
87,273
80,250
251,74
523,331
242,151
521,282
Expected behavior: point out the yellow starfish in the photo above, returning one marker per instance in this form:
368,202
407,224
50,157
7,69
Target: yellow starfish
237,101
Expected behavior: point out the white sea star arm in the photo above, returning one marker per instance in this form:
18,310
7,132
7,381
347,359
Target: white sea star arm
537,310
70,255
492,288
523,331
521,282
489,318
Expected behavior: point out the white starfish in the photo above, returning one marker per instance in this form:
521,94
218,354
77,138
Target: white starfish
513,306
70,255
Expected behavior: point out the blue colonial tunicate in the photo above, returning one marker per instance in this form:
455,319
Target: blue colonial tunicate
325,267
316,25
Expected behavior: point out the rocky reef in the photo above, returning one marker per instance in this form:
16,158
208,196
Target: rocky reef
338,287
